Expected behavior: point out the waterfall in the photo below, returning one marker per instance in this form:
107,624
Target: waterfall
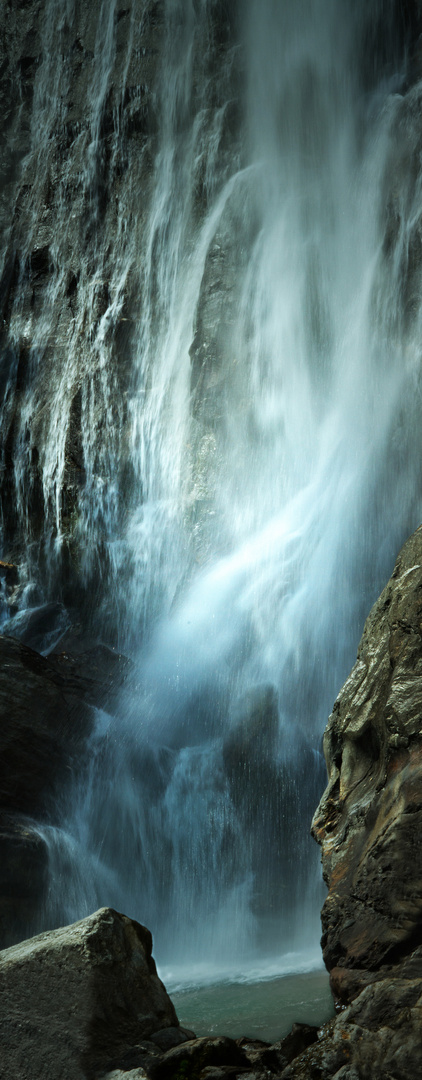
217,424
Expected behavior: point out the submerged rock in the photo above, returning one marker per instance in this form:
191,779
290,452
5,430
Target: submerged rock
72,999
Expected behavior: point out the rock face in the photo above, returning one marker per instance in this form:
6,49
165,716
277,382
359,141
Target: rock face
81,126
23,876
369,821
369,825
74,998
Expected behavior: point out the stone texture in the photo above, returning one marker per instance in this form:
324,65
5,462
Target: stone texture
369,826
378,1037
369,819
43,726
23,876
169,1037
74,998
197,1054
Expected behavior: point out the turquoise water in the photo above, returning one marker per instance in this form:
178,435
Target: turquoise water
264,1010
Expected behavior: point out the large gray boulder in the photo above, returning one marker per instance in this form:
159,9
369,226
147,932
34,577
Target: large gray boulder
74,999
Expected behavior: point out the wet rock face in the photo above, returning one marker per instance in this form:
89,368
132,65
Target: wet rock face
369,826
43,728
369,821
81,122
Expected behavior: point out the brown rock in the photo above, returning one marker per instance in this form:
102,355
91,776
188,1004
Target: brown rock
369,821
299,1038
143,1056
73,999
95,672
170,1037
369,826
377,1037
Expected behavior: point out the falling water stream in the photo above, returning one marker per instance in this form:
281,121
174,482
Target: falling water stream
247,490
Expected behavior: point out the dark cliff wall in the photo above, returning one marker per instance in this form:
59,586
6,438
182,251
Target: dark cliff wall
369,826
91,95
83,96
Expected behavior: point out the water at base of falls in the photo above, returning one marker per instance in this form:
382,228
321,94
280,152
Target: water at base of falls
245,493
260,1008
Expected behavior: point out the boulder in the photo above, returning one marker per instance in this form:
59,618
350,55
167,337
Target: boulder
193,1057
378,1037
74,999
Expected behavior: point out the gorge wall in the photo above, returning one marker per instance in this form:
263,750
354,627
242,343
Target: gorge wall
210,430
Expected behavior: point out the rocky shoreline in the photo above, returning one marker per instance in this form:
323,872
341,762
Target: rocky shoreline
85,1001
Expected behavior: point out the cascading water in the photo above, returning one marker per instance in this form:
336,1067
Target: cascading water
237,346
